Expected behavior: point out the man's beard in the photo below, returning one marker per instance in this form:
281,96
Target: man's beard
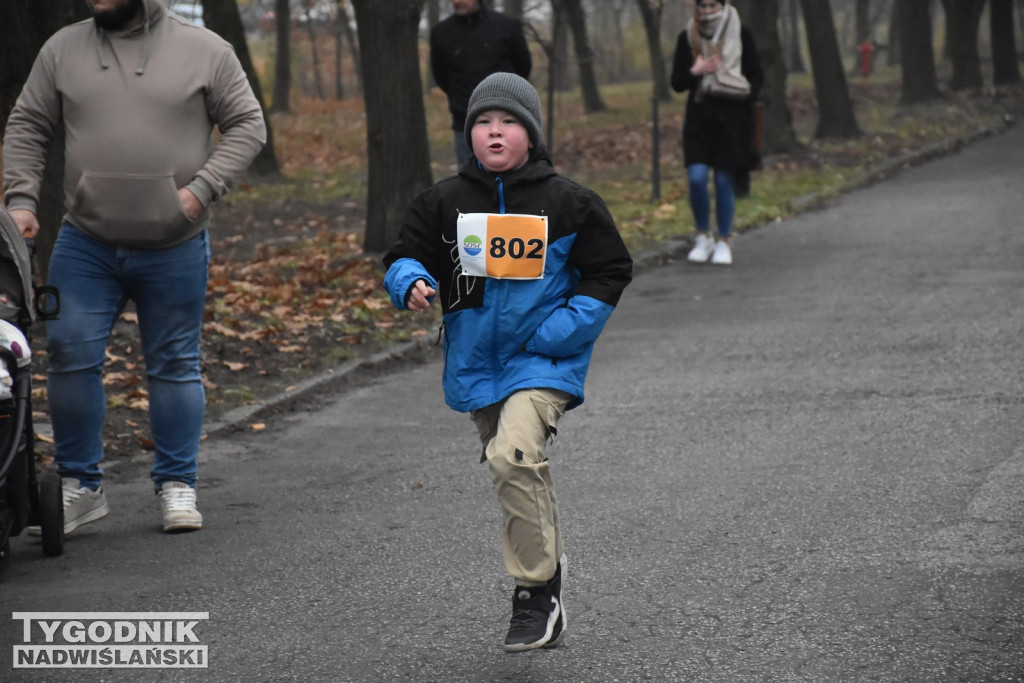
118,19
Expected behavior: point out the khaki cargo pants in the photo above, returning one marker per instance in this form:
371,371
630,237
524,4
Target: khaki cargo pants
514,433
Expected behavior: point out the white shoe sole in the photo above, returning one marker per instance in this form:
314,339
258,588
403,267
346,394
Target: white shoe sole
181,526
91,516
546,642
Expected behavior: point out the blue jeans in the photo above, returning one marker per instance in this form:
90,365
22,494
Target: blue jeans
168,287
700,201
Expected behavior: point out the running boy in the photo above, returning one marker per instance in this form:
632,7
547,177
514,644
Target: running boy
528,267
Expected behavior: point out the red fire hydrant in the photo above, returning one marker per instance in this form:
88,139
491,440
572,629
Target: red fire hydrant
866,48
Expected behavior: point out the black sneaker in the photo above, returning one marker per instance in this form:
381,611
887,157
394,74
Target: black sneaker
538,615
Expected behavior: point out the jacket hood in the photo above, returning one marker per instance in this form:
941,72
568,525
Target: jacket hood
153,11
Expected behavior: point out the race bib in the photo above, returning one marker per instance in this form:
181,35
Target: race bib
504,246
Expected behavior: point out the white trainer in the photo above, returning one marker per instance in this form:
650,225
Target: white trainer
722,255
703,246
178,505
81,506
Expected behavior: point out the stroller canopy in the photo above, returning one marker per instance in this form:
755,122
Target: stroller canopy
15,272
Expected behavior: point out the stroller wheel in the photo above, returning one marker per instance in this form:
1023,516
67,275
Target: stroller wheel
51,514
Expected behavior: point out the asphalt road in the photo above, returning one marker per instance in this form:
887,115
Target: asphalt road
806,467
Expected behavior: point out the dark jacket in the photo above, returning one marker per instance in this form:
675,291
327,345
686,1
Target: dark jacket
504,335
717,131
466,49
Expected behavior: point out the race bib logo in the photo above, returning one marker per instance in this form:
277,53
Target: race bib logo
504,246
472,245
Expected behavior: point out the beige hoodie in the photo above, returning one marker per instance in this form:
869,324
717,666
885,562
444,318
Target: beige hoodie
139,109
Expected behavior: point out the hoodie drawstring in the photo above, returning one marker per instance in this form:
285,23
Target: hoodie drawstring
102,35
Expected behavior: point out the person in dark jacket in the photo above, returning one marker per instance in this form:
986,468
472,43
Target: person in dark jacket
528,266
471,44
716,60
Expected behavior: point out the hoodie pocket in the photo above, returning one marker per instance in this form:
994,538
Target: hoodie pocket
141,210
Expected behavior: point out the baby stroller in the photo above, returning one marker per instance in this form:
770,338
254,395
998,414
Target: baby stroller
26,498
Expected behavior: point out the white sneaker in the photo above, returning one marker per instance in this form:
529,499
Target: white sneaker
178,505
81,506
702,248
722,255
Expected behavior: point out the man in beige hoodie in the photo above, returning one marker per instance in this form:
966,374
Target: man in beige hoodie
139,91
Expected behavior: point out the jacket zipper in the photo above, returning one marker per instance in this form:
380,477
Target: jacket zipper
495,314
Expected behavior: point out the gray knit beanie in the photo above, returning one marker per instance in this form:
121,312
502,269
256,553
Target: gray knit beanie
511,93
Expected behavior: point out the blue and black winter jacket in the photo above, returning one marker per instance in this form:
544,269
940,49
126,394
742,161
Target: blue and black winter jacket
505,335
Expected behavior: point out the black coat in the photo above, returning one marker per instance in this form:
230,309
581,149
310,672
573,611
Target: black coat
718,131
465,49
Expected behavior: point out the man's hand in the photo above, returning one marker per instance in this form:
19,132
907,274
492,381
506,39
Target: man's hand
193,207
26,221
419,295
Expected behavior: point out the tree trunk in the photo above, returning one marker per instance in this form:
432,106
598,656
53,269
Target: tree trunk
584,57
659,69
761,17
795,56
433,9
560,46
339,39
398,153
221,17
917,56
1005,69
965,16
895,49
863,21
282,56
314,51
353,42
835,108
24,27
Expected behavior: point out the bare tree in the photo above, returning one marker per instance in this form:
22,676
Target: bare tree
345,20
917,56
862,13
965,15
313,50
559,56
650,12
791,37
1005,69
222,17
761,17
433,16
282,56
592,101
835,108
339,40
396,121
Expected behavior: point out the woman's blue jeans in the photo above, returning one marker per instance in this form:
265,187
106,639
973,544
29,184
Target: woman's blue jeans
700,201
168,287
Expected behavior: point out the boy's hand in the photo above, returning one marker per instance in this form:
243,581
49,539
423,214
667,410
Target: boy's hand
419,296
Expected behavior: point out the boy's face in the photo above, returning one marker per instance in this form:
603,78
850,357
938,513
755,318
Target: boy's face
500,142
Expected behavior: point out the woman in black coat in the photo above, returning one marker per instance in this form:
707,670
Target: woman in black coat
716,60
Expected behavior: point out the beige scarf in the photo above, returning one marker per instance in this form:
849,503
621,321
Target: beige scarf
724,40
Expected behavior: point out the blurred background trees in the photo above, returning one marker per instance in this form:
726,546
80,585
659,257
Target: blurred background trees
374,52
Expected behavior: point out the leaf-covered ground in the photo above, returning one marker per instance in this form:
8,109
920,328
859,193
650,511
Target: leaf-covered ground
292,294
